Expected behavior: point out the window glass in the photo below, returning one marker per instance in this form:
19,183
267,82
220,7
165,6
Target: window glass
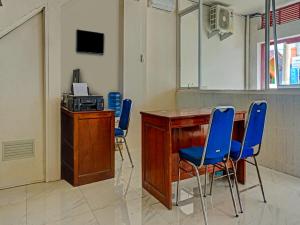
189,77
289,64
273,78
292,64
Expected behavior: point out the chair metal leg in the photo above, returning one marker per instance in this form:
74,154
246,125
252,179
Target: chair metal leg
201,195
128,152
205,182
212,180
260,181
177,193
237,186
231,191
118,146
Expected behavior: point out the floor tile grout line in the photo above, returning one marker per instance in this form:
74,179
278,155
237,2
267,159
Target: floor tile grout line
64,218
56,220
90,208
106,206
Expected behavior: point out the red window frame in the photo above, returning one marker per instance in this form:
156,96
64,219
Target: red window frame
284,15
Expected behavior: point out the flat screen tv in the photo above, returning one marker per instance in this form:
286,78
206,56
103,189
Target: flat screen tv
90,42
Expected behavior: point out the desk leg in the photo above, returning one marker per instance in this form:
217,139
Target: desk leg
238,133
241,171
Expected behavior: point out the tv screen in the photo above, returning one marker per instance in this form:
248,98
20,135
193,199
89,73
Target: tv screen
90,42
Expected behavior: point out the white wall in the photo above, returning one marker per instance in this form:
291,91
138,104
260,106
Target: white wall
257,37
223,61
161,59
102,73
281,143
151,84
13,10
154,37
135,76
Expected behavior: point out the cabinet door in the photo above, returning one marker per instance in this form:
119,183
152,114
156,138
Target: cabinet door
95,147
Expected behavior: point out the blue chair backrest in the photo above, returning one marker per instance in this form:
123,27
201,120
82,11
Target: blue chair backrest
255,124
218,141
125,114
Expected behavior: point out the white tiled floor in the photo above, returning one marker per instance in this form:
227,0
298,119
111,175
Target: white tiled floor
122,201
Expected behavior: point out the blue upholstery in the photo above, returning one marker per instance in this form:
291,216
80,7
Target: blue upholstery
254,131
119,132
256,123
194,155
218,139
125,114
236,149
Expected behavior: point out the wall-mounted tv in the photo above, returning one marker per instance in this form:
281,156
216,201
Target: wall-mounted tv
90,42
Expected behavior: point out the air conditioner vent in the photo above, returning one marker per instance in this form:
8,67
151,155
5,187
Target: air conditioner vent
12,150
166,5
220,21
224,19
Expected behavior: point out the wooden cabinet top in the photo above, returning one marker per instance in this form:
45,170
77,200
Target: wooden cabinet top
65,110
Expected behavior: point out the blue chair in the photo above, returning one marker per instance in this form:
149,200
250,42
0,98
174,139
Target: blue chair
252,138
122,130
215,152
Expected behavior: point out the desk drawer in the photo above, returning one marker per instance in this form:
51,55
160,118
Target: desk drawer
189,122
239,117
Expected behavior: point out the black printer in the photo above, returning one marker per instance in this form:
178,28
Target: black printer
87,102
83,103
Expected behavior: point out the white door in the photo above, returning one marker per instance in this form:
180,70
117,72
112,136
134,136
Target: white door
22,104
134,63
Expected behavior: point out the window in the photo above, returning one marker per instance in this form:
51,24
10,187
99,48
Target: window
289,64
189,77
188,44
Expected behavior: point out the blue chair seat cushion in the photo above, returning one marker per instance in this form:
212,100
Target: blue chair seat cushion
236,148
194,155
119,132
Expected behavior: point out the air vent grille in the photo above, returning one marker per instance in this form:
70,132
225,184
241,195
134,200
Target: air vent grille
284,15
12,150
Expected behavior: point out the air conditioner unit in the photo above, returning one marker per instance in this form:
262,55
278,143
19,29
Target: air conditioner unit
166,5
220,21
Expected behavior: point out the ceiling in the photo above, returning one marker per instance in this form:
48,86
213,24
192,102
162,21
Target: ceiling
248,6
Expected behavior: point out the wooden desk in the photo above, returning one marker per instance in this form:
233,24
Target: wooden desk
163,134
87,146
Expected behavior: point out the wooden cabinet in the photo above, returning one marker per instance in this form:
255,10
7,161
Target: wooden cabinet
87,146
